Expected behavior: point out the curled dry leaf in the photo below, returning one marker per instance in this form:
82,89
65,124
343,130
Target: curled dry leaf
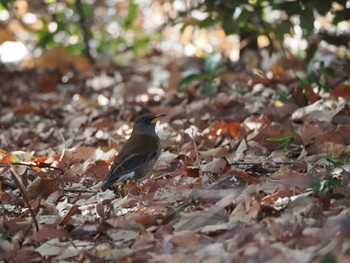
44,184
342,90
68,216
185,238
322,110
215,152
217,166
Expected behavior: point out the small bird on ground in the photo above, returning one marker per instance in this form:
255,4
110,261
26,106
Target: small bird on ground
139,153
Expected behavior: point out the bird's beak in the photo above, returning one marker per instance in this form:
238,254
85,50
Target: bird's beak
157,118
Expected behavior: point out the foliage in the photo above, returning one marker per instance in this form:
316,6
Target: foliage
329,258
329,182
272,18
211,70
336,160
276,20
285,141
73,24
5,236
63,23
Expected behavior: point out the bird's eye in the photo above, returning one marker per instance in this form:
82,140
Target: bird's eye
147,120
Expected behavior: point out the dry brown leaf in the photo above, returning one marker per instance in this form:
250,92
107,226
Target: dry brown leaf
337,136
25,255
217,166
16,224
185,238
62,60
294,180
7,158
214,152
322,110
44,184
305,96
342,90
48,232
72,211
26,108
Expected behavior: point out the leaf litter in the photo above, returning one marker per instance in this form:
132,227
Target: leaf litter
222,190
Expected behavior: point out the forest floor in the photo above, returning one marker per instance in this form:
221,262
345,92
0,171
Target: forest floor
256,172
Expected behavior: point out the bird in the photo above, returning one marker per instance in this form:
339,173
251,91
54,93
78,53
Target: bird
139,153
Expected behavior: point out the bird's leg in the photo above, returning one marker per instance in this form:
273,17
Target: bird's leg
124,189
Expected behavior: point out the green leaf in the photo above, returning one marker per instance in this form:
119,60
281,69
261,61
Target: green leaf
329,182
286,141
5,3
285,27
15,159
141,46
230,27
132,14
243,17
329,258
307,21
212,63
290,7
208,22
322,7
341,15
337,40
5,236
45,38
335,160
210,88
190,78
312,77
310,52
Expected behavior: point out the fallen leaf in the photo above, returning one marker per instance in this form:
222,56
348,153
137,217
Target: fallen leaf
185,238
48,232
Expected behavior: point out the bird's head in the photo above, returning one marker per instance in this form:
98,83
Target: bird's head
146,123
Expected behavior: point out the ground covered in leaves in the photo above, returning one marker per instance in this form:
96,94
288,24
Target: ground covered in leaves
244,175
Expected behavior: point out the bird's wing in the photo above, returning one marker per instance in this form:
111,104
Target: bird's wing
123,171
131,163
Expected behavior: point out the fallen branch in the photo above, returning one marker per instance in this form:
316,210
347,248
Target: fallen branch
39,165
267,163
24,193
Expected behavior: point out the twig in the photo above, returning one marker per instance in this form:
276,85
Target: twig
280,163
64,144
24,193
268,163
163,175
79,191
167,138
39,165
180,14
82,22
196,150
172,214
195,145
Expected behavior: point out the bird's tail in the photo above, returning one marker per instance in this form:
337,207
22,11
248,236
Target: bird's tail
109,181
